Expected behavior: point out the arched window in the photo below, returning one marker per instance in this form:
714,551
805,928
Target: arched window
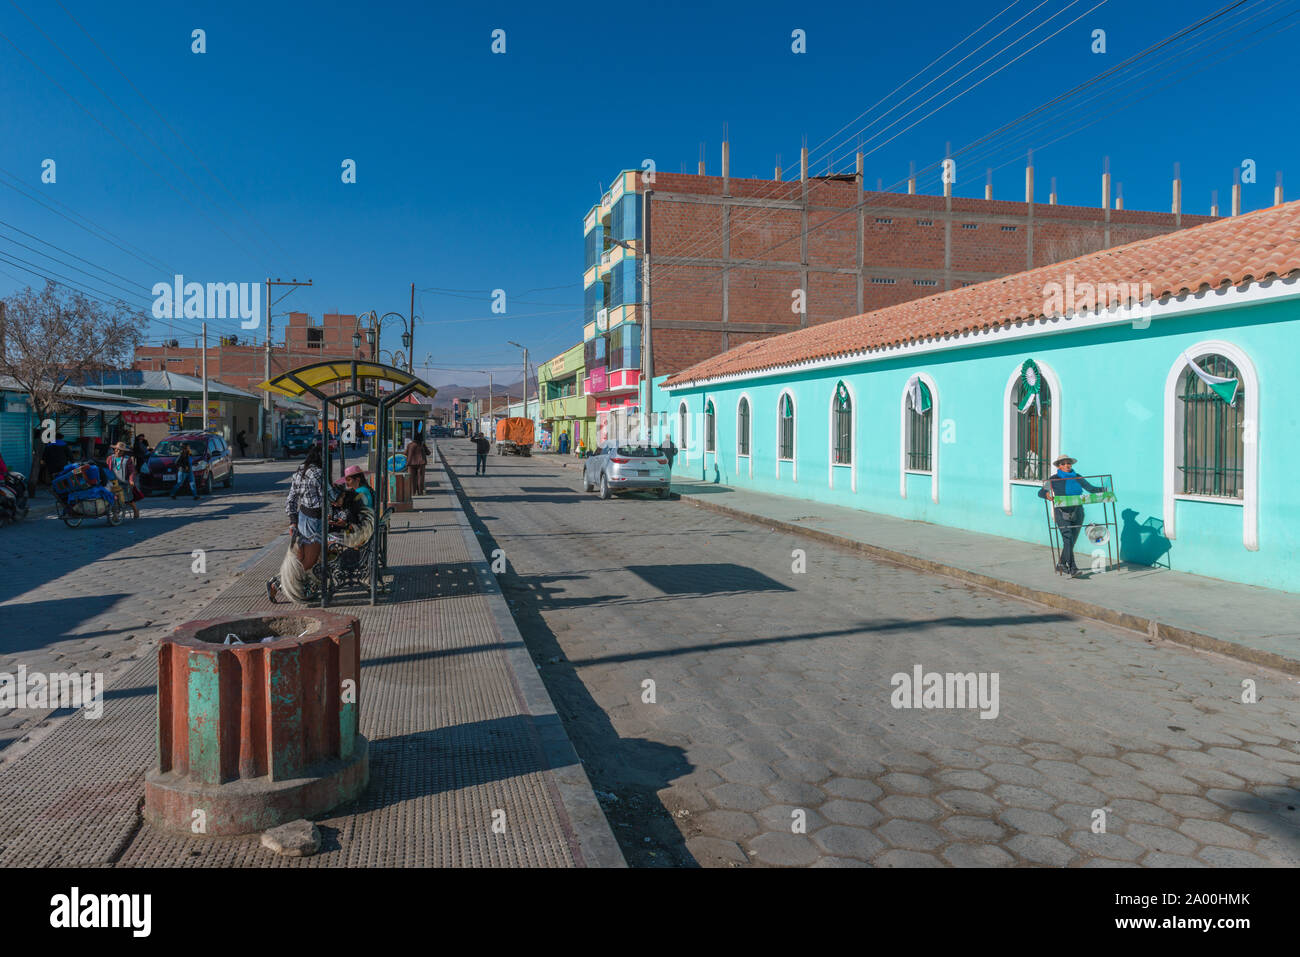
710,435
681,426
786,418
1212,434
1213,417
842,426
742,427
1031,426
920,415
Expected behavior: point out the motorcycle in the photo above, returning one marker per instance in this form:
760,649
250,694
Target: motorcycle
13,498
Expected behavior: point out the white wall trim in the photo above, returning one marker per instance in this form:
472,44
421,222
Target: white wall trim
744,397
852,463
1008,416
1250,447
934,436
794,436
683,424
1206,300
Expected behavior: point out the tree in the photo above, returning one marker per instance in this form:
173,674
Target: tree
53,337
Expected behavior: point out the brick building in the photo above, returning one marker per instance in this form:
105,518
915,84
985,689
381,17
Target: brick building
735,260
241,361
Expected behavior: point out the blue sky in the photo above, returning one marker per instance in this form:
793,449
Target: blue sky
474,170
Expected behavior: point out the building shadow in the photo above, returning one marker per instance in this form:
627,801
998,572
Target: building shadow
627,774
1144,542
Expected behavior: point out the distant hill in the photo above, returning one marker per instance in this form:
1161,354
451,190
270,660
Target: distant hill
456,391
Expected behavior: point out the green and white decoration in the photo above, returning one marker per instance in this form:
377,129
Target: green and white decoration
1031,381
920,395
1225,389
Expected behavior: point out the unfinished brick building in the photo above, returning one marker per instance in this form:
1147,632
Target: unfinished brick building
734,260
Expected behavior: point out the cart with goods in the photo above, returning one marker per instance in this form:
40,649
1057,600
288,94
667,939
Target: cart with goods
86,490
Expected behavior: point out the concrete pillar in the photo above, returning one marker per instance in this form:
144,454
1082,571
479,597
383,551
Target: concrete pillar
988,184
1236,199
1029,183
803,163
1277,190
859,164
1051,197
1119,195
777,175
726,159
701,167
947,154
1105,190
911,178
1214,202
1177,209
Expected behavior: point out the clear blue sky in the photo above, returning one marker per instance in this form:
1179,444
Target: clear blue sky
474,170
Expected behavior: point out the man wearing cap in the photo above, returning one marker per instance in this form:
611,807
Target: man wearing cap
1066,481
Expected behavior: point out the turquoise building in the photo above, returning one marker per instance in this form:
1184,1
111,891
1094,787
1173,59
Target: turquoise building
1166,363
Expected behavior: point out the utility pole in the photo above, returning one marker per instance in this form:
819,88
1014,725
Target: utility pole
268,440
205,377
410,350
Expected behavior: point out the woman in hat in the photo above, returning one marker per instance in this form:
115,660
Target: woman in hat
122,464
1066,481
354,477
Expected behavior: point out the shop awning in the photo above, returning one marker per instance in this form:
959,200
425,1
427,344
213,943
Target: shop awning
108,406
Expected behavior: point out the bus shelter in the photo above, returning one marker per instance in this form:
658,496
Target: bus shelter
340,386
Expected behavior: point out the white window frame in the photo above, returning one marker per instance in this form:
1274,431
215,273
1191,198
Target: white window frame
744,397
1008,419
852,463
1249,501
903,470
794,435
704,428
683,424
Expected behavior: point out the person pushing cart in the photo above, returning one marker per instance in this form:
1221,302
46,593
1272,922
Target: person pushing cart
1065,489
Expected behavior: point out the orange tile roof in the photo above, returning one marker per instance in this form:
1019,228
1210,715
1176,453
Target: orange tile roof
1255,246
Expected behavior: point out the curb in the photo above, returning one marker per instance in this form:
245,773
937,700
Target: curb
596,845
1151,627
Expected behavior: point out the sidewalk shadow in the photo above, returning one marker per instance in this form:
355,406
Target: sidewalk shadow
627,774
1144,543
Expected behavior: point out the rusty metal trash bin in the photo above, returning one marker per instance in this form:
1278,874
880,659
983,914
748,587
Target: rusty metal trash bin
255,734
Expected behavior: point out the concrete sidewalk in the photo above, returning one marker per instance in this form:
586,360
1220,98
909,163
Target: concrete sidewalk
460,727
1257,625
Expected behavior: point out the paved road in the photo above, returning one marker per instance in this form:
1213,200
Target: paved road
89,599
772,701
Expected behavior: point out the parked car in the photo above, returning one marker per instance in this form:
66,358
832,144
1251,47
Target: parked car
459,433
625,468
440,432
211,457
298,439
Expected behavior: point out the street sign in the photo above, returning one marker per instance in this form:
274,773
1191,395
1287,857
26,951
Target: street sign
368,428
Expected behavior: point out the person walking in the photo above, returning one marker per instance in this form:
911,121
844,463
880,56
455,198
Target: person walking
242,441
1069,519
417,458
185,473
481,447
122,464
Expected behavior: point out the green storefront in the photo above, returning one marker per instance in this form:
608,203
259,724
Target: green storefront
565,410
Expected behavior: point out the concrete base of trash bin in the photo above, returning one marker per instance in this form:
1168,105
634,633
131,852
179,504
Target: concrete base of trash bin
256,804
261,731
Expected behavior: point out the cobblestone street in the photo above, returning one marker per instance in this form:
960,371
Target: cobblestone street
91,599
768,736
